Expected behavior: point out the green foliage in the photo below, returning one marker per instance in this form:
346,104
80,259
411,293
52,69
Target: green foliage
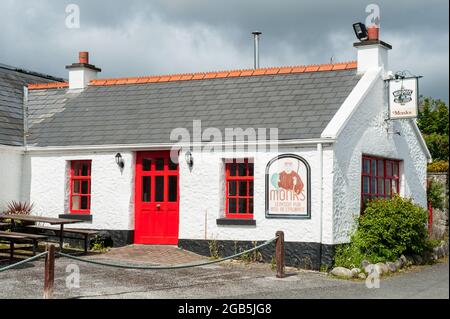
436,194
273,263
437,145
213,249
253,256
99,244
438,166
434,124
386,229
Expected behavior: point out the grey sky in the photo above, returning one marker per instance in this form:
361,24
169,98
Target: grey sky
133,38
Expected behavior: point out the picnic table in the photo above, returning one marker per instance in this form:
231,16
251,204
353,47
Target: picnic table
40,219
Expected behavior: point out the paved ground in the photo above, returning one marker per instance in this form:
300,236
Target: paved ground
227,280
152,254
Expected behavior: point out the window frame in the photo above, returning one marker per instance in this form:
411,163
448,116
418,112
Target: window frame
80,178
394,176
247,178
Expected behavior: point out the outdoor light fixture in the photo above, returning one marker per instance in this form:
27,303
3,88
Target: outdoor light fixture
360,31
189,158
119,160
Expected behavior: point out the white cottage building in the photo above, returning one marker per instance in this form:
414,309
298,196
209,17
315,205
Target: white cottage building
99,150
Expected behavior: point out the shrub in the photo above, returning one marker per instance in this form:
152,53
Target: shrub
386,229
438,166
435,194
19,208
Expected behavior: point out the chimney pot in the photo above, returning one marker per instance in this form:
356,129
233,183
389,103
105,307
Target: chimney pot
83,57
373,33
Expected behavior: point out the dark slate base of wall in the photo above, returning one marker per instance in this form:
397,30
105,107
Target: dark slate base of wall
119,238
297,254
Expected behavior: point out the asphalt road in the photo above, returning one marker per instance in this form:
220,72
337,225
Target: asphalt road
228,280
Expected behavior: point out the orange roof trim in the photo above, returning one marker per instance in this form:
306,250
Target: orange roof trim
207,75
51,85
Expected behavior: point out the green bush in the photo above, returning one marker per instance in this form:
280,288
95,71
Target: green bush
438,166
387,229
436,194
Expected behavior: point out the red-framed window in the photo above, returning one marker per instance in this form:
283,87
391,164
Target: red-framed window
380,178
239,189
80,187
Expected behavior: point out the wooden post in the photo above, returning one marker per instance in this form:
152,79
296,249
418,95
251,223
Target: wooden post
49,277
279,254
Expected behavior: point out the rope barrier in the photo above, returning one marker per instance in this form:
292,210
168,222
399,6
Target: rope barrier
23,261
165,267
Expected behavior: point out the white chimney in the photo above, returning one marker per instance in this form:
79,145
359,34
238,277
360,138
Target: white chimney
81,73
372,53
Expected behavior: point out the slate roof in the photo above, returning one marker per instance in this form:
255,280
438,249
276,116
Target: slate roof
299,104
12,81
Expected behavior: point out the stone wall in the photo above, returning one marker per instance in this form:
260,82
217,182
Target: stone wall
440,216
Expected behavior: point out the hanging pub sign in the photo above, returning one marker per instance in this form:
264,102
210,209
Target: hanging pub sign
288,181
403,98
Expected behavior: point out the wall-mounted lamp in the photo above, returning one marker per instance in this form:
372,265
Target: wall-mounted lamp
189,158
119,160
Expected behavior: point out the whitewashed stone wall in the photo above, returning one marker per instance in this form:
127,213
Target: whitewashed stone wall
112,190
10,175
367,132
202,196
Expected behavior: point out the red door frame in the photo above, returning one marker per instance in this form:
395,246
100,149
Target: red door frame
155,222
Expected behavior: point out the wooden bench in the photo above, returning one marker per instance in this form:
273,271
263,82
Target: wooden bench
82,232
13,237
4,225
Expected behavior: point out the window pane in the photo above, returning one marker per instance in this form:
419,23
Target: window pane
172,166
75,202
380,168
250,189
159,164
388,168
146,164
85,169
250,169
366,181
395,169
173,191
373,189
394,186
76,169
76,187
388,187
232,169
242,205
250,205
85,187
374,168
146,188
242,169
232,205
232,188
381,186
243,188
85,202
159,188
366,166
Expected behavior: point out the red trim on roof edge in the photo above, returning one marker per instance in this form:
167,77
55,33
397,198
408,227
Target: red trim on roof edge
207,75
51,85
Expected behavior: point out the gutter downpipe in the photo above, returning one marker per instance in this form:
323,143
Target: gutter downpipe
320,158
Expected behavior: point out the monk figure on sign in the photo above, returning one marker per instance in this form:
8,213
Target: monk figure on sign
290,180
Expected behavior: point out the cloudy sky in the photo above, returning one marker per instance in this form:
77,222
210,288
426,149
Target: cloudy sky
135,38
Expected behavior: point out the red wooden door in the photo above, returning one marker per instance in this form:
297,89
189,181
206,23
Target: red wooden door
157,199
